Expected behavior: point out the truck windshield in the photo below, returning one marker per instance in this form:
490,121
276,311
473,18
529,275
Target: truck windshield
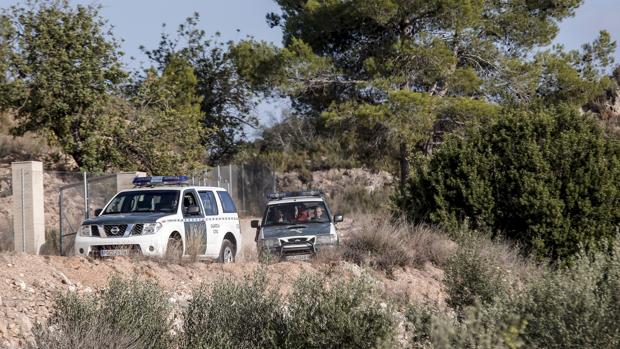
144,201
296,213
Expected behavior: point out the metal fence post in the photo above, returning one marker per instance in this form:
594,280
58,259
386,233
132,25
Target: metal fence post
86,210
242,190
230,185
218,175
23,214
61,233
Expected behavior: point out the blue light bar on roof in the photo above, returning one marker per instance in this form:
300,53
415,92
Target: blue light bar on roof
159,180
290,194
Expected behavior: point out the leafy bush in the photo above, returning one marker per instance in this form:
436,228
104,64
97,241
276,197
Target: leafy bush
249,315
235,315
347,314
473,276
572,307
576,307
547,178
128,314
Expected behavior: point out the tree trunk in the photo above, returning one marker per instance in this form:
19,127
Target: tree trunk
404,167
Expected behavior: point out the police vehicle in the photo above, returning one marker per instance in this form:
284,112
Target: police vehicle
163,216
296,225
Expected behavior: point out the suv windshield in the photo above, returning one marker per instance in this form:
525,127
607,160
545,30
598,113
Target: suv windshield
296,213
144,201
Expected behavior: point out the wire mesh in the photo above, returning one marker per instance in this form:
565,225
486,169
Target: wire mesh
248,184
100,190
6,214
67,208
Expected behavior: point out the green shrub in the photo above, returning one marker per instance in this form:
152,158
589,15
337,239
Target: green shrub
572,307
347,314
547,178
578,307
234,314
128,314
473,276
248,314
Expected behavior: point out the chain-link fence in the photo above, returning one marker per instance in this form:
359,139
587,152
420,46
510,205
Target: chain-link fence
70,197
248,184
6,217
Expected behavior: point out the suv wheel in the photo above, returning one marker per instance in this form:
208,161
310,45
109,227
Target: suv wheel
227,253
174,250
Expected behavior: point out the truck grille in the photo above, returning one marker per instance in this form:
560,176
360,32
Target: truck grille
94,230
115,230
137,229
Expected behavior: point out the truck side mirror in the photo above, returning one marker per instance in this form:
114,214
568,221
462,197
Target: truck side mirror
98,211
255,223
338,218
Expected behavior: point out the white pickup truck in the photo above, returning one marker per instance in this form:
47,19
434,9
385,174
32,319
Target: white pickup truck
160,217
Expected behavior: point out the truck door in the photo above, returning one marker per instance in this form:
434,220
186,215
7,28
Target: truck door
212,221
194,222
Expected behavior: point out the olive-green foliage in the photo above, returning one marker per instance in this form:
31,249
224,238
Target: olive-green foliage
380,71
345,314
226,100
166,133
129,314
234,314
576,307
474,276
248,314
294,144
60,71
573,307
547,178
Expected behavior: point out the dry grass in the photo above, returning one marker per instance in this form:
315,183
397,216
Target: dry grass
386,244
195,243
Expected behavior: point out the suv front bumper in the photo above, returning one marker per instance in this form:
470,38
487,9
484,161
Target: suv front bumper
148,245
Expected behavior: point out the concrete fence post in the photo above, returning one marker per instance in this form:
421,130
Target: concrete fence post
124,179
28,211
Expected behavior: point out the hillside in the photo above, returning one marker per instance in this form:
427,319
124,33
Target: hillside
29,284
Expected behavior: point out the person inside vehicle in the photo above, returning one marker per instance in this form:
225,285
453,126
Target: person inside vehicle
279,217
318,214
303,215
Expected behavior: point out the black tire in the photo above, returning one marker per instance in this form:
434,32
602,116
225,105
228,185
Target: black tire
227,252
174,249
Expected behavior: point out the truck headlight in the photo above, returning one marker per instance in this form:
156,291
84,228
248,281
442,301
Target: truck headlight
326,239
269,243
85,230
151,228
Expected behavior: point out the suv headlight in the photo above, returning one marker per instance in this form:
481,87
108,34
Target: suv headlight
85,230
326,239
151,228
269,243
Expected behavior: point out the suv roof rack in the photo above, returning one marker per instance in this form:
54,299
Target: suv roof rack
291,194
153,181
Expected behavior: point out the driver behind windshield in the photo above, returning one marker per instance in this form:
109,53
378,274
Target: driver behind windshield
318,214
